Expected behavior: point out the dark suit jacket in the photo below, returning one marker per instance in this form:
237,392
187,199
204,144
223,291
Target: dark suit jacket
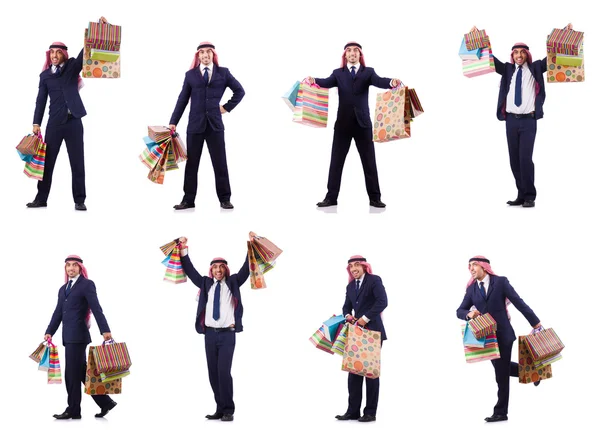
72,312
537,69
63,93
205,99
205,283
498,291
354,94
371,301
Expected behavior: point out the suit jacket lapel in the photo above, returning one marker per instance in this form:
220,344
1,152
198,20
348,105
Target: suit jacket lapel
490,288
363,285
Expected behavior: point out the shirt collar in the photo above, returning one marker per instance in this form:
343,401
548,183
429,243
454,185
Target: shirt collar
486,282
210,67
357,65
361,279
74,279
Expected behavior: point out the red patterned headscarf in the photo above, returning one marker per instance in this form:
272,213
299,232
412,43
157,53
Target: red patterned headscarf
196,61
523,46
218,260
82,272
363,262
63,48
361,59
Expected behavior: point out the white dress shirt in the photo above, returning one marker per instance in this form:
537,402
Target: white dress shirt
210,70
527,92
73,283
360,284
226,311
486,283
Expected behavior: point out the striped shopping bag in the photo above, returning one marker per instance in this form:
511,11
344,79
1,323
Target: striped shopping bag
476,39
319,340
339,345
483,325
112,360
54,373
174,272
490,351
545,347
527,371
312,104
38,353
483,66
103,36
34,169
564,41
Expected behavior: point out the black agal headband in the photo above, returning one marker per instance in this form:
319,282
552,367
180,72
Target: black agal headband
218,261
79,260
481,260
352,260
352,44
520,46
205,45
59,47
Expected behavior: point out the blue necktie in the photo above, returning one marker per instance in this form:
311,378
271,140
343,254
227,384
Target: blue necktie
353,71
206,75
518,86
68,290
482,289
217,302
57,71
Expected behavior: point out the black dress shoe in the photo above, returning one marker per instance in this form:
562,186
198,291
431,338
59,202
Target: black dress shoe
326,203
36,204
66,416
528,204
105,410
227,417
80,207
515,202
226,205
346,417
494,418
215,416
367,419
184,205
376,204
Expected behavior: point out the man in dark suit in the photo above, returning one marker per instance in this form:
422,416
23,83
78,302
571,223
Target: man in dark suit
218,318
353,80
365,295
60,81
490,293
76,300
520,103
204,85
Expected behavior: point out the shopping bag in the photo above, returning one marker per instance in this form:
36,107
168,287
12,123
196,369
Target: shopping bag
312,104
483,325
476,39
54,373
174,272
45,361
332,325
415,104
527,372
30,144
290,96
340,341
267,249
101,35
112,356
470,340
392,115
468,54
483,66
104,37
39,352
257,279
93,384
34,168
564,41
545,346
104,55
490,351
362,354
565,69
320,342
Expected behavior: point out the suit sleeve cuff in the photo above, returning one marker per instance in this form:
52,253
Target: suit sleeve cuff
184,251
366,319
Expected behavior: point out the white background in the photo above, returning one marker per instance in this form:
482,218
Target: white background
445,188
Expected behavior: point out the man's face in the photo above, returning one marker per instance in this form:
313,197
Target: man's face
72,269
352,54
218,271
56,56
205,55
476,270
356,269
519,56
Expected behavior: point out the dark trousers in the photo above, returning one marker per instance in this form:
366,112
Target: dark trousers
215,140
219,348
72,133
75,364
504,370
342,138
355,383
520,133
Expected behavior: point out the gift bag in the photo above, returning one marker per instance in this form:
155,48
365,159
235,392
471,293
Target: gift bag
331,327
468,54
97,38
564,41
362,354
415,104
476,39
93,384
470,340
483,66
34,169
318,340
545,347
152,154
174,272
392,115
45,361
312,104
527,373
267,249
563,68
104,55
290,96
30,144
483,325
257,279
54,374
39,352
341,339
178,148
490,351
159,133
157,173
112,360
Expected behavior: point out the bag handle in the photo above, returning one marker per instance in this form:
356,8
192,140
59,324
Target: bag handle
306,81
537,330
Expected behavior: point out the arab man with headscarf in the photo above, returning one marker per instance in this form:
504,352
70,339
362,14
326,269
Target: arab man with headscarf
77,299
204,85
218,318
61,81
520,103
353,80
490,293
365,301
